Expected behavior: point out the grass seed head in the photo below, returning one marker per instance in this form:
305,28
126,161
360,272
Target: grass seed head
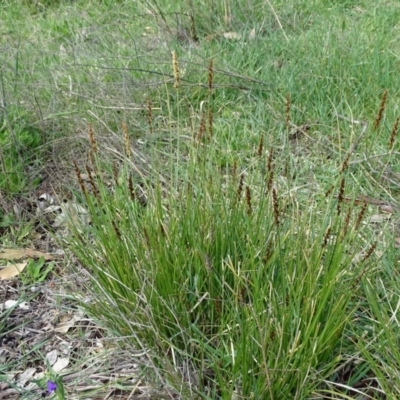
341,196
360,216
345,162
270,169
382,106
346,222
270,181
93,143
92,182
393,134
275,205
248,200
131,190
127,142
370,251
260,146
175,68
210,123
210,76
240,187
326,237
270,164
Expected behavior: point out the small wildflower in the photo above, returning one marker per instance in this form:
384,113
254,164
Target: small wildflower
51,386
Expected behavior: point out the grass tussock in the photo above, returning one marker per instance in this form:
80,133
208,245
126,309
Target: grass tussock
231,286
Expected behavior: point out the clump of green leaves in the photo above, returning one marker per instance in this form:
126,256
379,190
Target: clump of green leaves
37,271
242,288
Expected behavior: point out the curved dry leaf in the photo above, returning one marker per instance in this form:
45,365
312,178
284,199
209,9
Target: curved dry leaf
16,254
12,270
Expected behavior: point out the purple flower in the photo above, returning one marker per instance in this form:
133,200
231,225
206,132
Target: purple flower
51,386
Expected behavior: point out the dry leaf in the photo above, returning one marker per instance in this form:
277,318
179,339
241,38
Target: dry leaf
231,35
64,327
370,200
10,304
16,254
51,357
387,208
60,364
12,270
379,218
26,376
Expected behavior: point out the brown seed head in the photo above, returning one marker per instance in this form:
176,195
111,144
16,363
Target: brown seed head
270,181
210,123
326,237
360,216
275,204
393,134
131,189
210,76
378,118
346,222
248,200
369,252
260,146
345,162
93,143
341,195
240,187
127,142
92,182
